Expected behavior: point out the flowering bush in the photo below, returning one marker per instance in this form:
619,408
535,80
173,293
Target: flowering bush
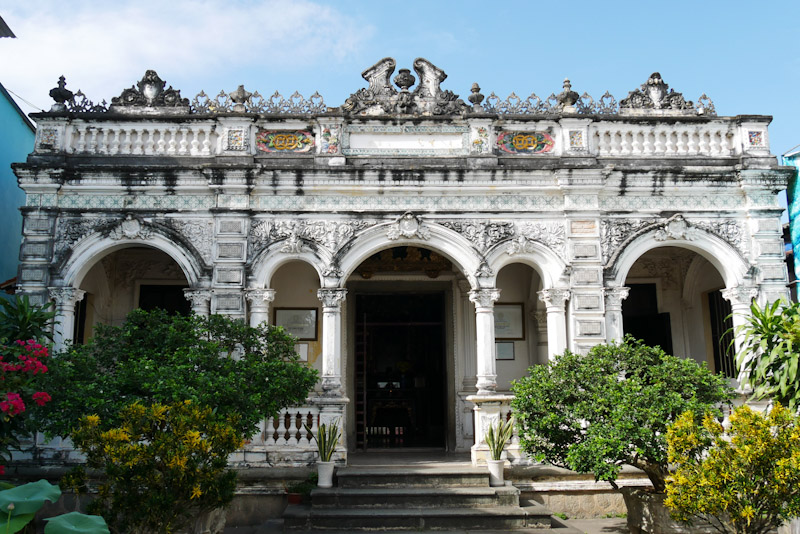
21,366
164,464
744,480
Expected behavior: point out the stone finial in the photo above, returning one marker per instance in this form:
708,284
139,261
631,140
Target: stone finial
476,97
404,79
239,97
567,98
60,94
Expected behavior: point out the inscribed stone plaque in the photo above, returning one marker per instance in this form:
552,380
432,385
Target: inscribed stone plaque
587,302
587,276
585,251
590,328
230,227
582,227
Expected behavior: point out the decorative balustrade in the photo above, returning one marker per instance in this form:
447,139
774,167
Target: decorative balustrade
148,139
622,139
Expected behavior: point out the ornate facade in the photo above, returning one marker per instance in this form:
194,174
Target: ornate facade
425,250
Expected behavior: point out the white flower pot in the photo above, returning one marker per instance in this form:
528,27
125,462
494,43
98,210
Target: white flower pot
496,472
325,474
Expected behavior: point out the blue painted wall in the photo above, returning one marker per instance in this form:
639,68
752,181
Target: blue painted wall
16,142
793,197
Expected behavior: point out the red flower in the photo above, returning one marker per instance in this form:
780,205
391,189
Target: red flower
41,398
2,470
13,405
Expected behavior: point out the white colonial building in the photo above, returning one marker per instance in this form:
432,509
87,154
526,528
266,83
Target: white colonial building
425,251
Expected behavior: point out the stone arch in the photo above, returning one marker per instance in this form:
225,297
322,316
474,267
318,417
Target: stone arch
92,249
431,236
550,267
270,259
728,261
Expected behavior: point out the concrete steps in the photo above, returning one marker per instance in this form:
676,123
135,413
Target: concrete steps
418,499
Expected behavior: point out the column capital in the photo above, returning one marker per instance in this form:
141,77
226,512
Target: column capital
554,298
198,297
615,295
740,295
484,298
66,296
259,296
331,297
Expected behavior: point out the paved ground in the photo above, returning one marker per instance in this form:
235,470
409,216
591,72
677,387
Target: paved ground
589,526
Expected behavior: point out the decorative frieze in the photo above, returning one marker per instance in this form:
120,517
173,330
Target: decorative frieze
284,141
550,234
327,233
483,235
199,233
524,143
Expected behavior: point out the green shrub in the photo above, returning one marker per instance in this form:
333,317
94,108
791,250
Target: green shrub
250,373
770,351
19,319
595,413
745,480
163,465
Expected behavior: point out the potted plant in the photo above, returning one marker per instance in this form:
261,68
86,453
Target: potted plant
327,438
496,439
596,412
299,492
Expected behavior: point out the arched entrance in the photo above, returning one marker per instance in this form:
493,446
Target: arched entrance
125,279
399,302
675,301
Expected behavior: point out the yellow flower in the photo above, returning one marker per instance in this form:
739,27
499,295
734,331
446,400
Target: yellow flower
92,420
196,493
193,438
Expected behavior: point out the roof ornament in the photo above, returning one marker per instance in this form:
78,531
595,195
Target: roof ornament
60,94
475,98
240,97
653,95
381,98
567,98
149,93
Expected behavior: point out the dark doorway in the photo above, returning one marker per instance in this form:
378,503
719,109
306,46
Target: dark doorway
169,298
640,317
400,370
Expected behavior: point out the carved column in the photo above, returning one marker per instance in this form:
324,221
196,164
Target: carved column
467,337
332,299
554,300
484,300
614,297
740,298
259,300
65,299
200,299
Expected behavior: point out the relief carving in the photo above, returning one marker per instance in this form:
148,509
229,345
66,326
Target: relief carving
329,234
550,234
482,235
198,232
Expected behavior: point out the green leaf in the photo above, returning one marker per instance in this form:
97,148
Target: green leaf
29,498
76,522
16,523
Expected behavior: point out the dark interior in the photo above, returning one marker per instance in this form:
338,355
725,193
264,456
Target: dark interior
400,370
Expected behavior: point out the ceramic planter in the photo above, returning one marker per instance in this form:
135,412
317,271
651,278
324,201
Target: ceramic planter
496,472
325,474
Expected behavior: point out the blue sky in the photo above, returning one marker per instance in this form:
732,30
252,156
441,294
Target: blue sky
744,55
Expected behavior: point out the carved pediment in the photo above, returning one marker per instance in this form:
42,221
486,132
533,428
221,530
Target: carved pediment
380,98
149,92
654,94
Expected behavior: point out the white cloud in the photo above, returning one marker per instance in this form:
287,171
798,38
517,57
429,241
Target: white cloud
103,47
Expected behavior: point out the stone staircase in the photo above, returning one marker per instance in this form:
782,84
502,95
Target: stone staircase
413,498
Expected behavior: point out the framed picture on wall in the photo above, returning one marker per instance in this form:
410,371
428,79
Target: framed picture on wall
300,322
505,350
508,321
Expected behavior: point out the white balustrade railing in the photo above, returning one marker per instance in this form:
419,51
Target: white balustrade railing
148,139
615,139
